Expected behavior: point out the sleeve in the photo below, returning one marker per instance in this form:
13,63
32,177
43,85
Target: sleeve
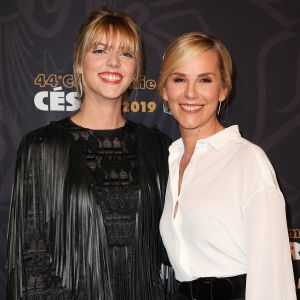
155,146
270,273
167,273
28,257
161,161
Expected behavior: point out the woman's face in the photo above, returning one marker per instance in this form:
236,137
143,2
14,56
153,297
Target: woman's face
107,73
193,92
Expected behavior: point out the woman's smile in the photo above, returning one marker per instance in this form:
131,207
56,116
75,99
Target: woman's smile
191,108
110,77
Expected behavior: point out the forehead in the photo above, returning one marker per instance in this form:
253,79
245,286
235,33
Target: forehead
205,62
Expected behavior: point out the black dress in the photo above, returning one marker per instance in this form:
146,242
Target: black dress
85,212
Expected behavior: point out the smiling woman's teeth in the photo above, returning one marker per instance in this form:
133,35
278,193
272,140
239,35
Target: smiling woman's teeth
191,107
110,77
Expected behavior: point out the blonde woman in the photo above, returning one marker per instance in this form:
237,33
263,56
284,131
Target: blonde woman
89,189
223,224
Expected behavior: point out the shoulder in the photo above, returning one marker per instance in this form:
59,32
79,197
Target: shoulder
252,151
53,133
154,144
256,162
152,134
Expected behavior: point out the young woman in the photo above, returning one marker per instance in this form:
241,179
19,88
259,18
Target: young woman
224,223
89,189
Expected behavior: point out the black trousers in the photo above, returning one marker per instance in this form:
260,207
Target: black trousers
179,296
212,288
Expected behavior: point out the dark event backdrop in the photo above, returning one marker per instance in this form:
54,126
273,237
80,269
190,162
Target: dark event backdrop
263,36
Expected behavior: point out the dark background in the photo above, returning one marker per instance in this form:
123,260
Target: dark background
263,37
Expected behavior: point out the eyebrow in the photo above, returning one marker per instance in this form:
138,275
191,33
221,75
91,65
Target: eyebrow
199,75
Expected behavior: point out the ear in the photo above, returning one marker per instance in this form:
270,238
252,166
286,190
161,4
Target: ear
165,94
223,94
79,68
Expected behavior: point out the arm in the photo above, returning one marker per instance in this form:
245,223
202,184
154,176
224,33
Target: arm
270,273
167,273
56,238
29,260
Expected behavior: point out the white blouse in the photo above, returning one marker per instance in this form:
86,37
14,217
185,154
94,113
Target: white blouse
231,217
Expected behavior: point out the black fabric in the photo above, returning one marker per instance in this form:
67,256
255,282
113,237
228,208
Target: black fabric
85,212
212,288
179,296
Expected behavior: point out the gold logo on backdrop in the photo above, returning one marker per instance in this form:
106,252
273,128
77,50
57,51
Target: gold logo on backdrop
143,84
54,80
59,99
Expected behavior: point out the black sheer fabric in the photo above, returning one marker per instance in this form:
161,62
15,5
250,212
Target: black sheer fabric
84,216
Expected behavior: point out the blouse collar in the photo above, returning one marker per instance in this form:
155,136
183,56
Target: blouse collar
217,140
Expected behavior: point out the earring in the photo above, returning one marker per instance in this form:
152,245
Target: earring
80,88
80,91
219,108
166,108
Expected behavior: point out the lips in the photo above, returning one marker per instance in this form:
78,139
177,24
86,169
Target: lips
110,77
191,108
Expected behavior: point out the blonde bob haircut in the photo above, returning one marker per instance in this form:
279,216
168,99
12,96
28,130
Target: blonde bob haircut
113,26
187,47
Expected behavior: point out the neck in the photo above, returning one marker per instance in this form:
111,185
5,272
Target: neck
95,115
191,136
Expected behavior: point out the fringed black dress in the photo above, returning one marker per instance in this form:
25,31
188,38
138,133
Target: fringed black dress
85,213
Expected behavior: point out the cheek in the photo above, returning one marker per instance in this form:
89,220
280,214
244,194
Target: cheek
87,66
133,69
170,97
212,95
172,93
220,92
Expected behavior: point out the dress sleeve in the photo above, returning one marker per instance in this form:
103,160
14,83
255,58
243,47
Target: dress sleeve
270,273
167,273
29,260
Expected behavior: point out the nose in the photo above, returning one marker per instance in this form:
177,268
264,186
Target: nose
113,60
191,91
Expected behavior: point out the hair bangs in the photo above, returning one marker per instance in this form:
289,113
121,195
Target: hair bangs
114,35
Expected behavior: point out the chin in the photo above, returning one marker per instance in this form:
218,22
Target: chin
189,126
114,96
